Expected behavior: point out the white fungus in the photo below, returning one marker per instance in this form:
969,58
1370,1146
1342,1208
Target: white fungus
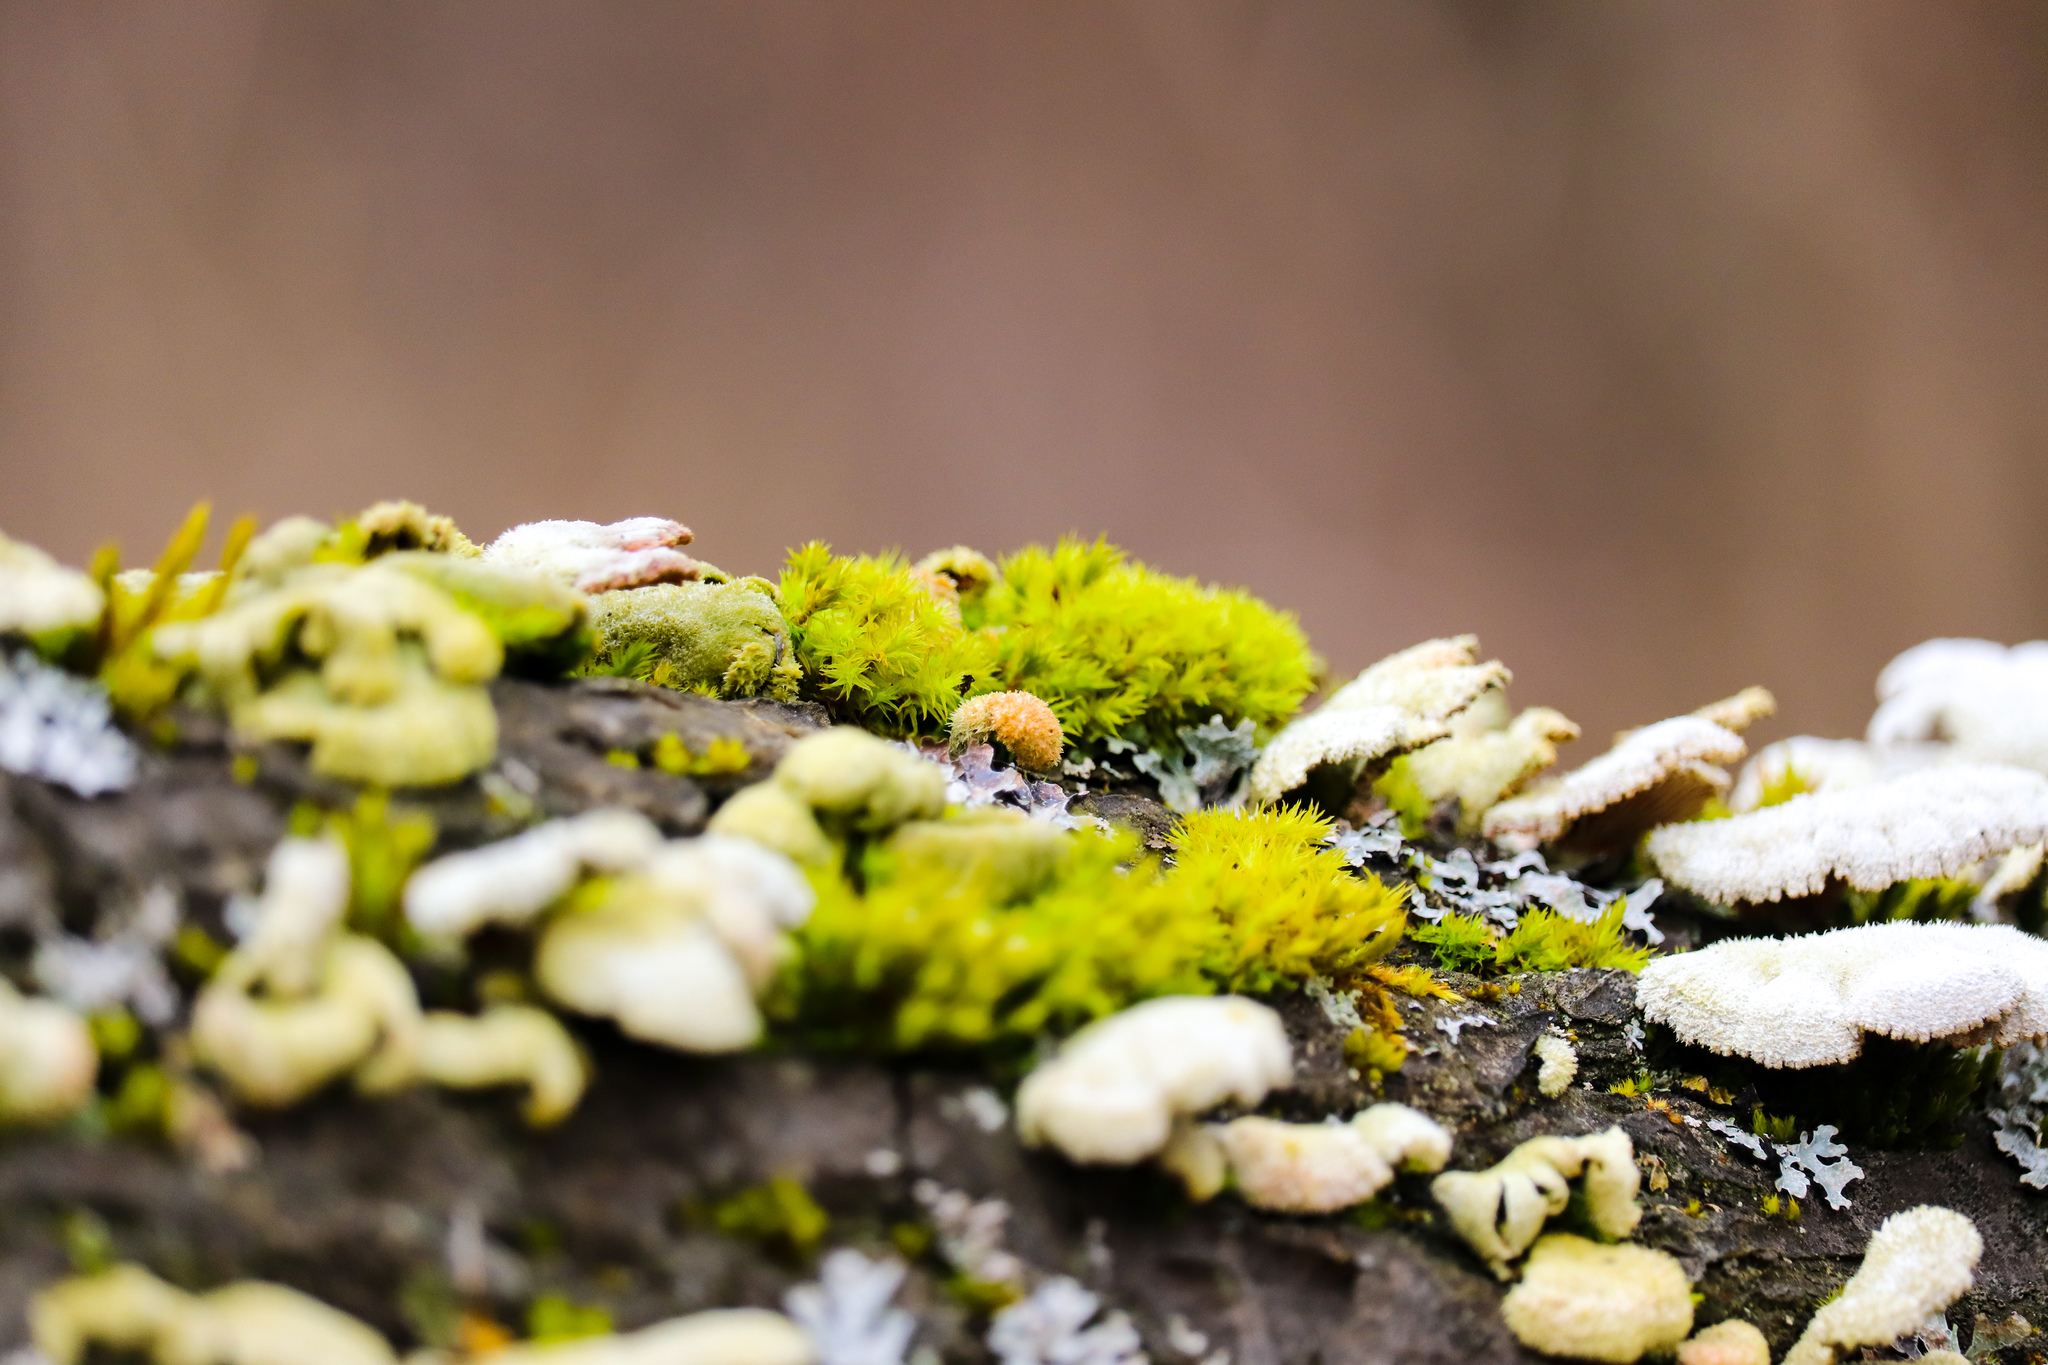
1917,1264
1114,1090
1489,757
1500,1210
1307,1167
1730,1342
1937,822
1560,1065
513,880
38,595
1808,1001
1982,702
60,729
1400,703
599,558
1591,1302
1672,766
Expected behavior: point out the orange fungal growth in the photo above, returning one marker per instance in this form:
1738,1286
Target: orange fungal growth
1018,721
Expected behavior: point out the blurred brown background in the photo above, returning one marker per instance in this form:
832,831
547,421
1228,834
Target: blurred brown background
1671,347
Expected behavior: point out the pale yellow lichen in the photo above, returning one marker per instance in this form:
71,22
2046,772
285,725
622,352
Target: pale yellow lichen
399,525
506,1045
1733,1342
1112,1093
247,1323
41,598
1018,721
1499,1211
854,779
47,1060
777,818
1592,1302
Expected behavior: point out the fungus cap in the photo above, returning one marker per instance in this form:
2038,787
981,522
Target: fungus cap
1112,1093
1937,822
1592,1302
852,776
1808,1001
649,960
1982,702
1917,1264
506,1045
1481,766
600,558
1402,702
1678,758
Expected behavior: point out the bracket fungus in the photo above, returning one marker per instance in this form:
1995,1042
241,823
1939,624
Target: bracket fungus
1112,1093
1591,1302
725,639
1306,1167
1500,1210
1660,773
1976,699
1937,822
1488,757
1018,721
1917,1264
1403,702
127,1309
303,1002
1808,1001
44,600
600,558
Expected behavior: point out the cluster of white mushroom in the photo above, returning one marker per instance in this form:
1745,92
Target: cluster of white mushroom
674,946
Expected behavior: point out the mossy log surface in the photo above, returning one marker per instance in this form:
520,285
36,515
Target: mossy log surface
353,1200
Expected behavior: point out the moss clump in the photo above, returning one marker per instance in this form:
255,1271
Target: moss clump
876,647
1924,899
975,932
1122,651
1288,901
720,639
1543,941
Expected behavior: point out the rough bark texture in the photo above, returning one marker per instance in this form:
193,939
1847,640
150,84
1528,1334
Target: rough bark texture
354,1200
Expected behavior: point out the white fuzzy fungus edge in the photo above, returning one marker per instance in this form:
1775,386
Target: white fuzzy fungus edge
1808,1001
1937,822
1688,745
1918,1263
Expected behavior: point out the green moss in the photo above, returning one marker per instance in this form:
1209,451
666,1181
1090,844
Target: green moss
1404,796
722,757
876,646
1120,650
385,842
1288,901
556,1317
1542,941
780,1215
1462,943
934,957
1894,1094
1933,898
721,639
981,932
